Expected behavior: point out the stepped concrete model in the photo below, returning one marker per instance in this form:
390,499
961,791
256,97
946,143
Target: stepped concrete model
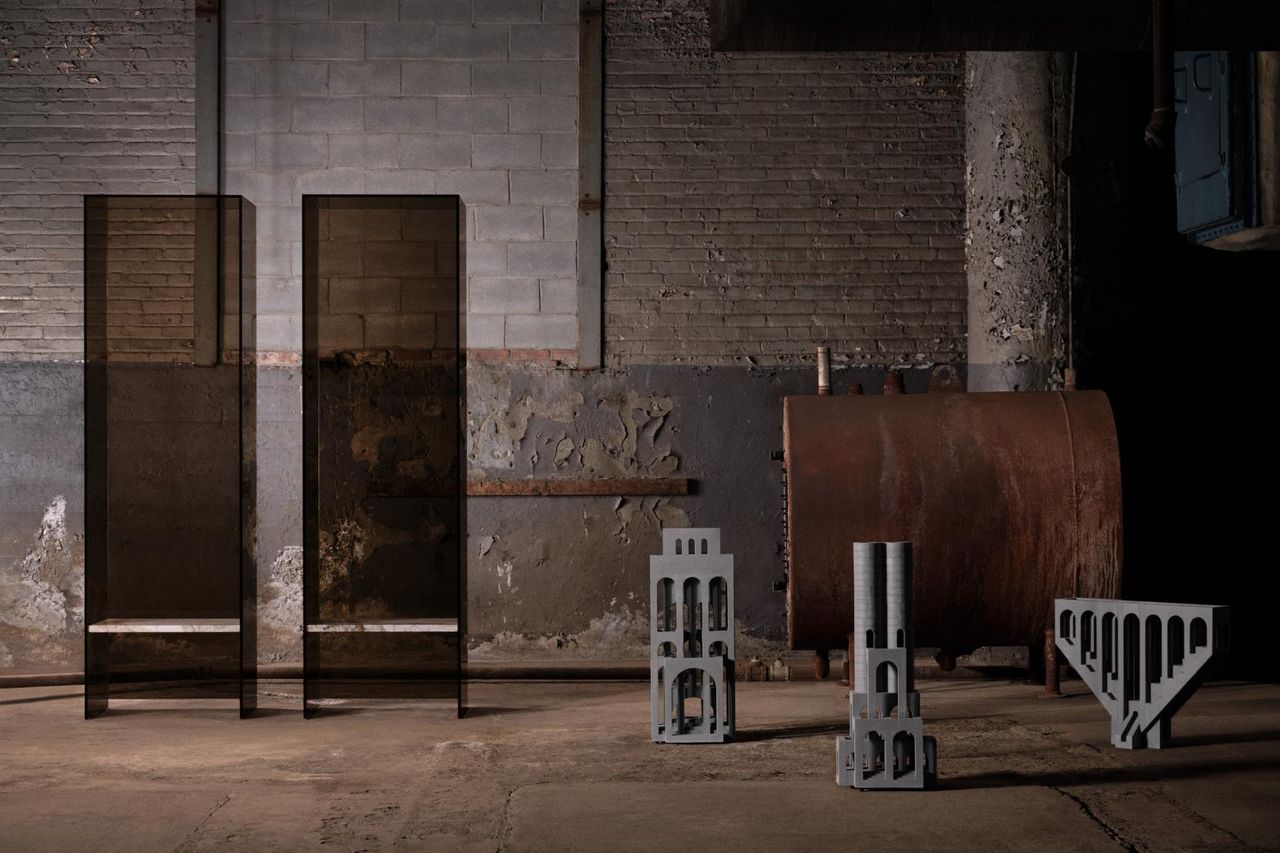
1142,659
691,639
884,749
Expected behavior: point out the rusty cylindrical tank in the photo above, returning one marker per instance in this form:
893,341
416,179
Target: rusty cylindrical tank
1010,500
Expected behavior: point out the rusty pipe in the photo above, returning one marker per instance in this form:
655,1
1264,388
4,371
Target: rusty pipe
893,383
1052,682
824,371
850,659
1159,130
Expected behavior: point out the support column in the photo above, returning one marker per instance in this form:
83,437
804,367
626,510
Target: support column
208,168
1016,133
590,183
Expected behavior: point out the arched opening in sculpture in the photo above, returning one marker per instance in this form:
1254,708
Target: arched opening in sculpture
693,616
886,677
1177,641
1088,636
1199,634
904,753
665,617
719,594
1155,649
1131,649
873,754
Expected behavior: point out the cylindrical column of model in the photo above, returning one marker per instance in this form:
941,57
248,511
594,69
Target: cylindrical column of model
898,604
868,609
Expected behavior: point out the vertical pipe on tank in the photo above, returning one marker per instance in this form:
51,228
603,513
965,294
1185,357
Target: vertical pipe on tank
868,609
898,603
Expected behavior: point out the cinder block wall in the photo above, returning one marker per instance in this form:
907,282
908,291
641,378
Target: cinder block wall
470,97
386,279
757,205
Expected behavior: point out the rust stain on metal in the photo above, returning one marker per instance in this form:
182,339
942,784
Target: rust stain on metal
1011,499
1052,684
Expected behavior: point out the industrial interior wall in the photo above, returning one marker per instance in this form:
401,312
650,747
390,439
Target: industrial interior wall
754,207
480,99
475,99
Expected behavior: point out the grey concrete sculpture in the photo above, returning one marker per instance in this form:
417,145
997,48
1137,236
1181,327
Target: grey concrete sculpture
1142,659
691,639
884,749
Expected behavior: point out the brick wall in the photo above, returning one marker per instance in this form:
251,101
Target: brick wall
150,273
757,205
96,96
143,258
470,97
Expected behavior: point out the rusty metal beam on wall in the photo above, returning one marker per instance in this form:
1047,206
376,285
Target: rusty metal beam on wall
590,183
629,487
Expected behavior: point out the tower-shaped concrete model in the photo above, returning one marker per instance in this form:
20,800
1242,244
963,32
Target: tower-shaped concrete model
691,638
883,749
1142,659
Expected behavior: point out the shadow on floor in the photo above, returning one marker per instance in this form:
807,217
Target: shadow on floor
79,694
835,727
1214,738
1102,775
840,727
472,710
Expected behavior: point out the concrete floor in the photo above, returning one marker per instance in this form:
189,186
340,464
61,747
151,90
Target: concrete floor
569,766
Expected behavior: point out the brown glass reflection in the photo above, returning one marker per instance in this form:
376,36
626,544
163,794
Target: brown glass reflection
169,446
382,446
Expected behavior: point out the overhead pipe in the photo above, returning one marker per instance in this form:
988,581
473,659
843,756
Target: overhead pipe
1159,131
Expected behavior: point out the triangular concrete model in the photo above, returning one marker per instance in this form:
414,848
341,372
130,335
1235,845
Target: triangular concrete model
1142,659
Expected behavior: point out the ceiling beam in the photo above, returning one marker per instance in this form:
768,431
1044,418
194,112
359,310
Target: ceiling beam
953,25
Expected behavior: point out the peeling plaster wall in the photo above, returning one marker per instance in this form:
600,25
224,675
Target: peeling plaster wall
1015,130
41,518
568,576
42,596
548,578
